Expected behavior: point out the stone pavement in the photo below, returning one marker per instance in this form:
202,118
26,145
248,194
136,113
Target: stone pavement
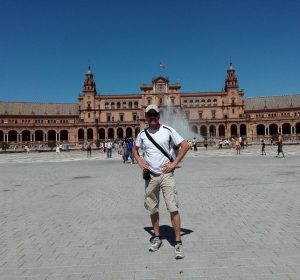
64,216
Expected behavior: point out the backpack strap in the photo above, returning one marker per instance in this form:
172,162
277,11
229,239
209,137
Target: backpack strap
158,146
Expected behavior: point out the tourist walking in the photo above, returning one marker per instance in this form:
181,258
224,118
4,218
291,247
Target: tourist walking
129,149
125,151
158,168
263,148
205,144
89,149
194,144
237,146
109,146
280,146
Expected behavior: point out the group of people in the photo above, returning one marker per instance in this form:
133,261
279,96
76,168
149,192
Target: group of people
125,149
279,144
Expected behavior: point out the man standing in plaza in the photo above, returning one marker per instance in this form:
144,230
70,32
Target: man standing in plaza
161,167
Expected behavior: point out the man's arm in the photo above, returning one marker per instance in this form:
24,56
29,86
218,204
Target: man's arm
184,147
143,165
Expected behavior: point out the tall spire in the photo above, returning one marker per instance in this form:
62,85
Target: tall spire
231,80
89,83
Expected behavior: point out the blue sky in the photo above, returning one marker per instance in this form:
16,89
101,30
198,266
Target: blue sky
47,46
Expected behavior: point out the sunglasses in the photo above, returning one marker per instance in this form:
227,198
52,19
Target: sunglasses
155,114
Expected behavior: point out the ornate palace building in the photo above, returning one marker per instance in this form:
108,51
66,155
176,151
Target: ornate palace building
212,115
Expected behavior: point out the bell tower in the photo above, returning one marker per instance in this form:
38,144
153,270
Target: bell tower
231,81
89,85
88,101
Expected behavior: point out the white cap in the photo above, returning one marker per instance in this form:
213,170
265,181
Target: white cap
152,107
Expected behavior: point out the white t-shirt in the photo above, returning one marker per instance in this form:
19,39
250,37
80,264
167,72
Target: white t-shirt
166,137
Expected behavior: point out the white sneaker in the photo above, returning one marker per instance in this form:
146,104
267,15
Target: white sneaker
179,253
156,243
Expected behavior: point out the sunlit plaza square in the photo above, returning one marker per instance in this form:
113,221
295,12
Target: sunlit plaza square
66,216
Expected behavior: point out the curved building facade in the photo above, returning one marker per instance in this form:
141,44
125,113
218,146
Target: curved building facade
212,115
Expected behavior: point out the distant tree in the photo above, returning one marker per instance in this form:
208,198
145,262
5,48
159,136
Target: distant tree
51,144
4,145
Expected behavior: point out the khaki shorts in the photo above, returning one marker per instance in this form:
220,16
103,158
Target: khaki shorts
166,183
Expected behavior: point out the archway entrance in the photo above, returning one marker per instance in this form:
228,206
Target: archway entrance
102,134
39,135
260,130
212,131
221,130
243,130
128,132
120,132
25,136
64,135
90,134
286,128
273,129
111,134
203,131
51,135
233,130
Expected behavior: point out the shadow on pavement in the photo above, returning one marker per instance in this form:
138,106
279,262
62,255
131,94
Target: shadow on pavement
166,232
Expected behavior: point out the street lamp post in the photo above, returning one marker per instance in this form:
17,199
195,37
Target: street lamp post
97,132
118,136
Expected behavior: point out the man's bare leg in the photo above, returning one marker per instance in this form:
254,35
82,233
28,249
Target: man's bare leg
176,223
155,223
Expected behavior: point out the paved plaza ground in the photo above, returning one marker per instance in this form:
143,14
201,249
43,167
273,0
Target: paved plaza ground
64,216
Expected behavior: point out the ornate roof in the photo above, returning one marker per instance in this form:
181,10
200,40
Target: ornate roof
38,109
272,102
